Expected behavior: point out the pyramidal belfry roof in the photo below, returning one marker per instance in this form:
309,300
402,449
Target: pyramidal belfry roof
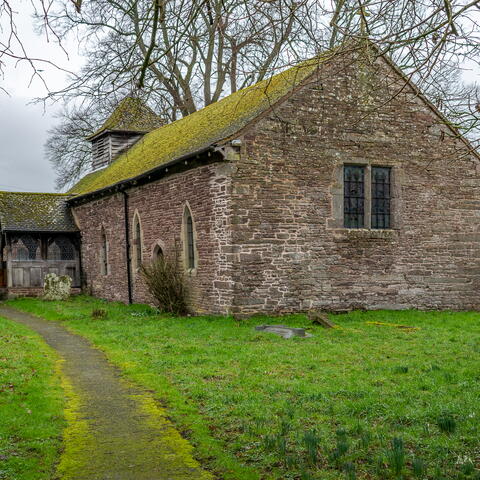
130,115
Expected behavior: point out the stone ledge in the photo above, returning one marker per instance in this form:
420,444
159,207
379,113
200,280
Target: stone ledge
364,234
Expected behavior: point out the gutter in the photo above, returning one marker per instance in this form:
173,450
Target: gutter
144,177
127,247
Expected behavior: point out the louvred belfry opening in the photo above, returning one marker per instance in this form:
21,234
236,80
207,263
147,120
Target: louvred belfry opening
128,123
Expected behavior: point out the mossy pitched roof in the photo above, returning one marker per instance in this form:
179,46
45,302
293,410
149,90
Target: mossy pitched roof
199,130
130,115
35,212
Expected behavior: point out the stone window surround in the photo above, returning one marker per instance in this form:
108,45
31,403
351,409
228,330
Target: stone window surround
190,271
157,244
337,220
104,264
137,243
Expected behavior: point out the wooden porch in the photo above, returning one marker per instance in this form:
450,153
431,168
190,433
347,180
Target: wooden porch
28,257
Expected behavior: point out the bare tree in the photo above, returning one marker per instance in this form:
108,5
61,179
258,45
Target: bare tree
66,148
182,54
185,54
12,44
189,53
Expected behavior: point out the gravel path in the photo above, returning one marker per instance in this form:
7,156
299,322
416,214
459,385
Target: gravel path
115,429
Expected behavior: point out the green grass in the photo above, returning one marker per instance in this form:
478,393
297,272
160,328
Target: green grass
361,401
31,405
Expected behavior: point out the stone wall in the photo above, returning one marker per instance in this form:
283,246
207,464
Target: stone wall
269,223
160,207
14,292
292,252
105,214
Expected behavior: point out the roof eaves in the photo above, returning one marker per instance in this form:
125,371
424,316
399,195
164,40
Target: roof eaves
126,183
106,131
39,230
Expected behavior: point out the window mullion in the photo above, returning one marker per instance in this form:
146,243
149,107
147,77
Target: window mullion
368,197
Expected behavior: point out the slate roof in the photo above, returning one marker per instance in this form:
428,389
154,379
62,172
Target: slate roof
201,129
35,212
130,115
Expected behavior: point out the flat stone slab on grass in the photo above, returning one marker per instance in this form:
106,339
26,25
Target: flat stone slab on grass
284,331
116,430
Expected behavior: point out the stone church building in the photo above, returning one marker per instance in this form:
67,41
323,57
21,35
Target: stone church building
334,184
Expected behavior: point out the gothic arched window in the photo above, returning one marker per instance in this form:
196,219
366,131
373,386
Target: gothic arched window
157,253
189,240
137,243
25,248
104,253
61,248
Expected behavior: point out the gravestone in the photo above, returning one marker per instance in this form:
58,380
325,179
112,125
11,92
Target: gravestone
284,331
320,318
56,288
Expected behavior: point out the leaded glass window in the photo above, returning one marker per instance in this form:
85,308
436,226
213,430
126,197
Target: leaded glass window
157,253
104,254
138,244
381,195
26,248
54,252
353,196
61,249
190,240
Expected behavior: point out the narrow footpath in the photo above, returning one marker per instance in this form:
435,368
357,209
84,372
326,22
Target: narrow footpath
115,429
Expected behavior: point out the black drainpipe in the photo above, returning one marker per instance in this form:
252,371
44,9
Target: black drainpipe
83,284
127,246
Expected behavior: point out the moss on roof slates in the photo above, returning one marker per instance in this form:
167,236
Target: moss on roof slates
25,211
131,115
84,183
205,127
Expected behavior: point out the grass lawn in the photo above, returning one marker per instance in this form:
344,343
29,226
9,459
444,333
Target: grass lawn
31,405
363,401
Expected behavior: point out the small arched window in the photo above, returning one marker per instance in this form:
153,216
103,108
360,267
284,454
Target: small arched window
22,254
54,252
104,253
137,243
157,253
190,254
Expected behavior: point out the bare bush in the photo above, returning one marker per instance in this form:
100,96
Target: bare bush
167,284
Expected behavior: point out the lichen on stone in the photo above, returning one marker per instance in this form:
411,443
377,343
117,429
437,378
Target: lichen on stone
77,437
57,287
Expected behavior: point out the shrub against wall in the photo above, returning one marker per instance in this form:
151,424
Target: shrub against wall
167,284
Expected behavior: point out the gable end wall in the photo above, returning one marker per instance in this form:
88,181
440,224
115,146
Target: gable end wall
291,250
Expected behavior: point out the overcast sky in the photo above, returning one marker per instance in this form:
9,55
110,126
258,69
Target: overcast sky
24,126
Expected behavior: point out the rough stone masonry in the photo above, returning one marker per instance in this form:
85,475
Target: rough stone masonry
269,220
